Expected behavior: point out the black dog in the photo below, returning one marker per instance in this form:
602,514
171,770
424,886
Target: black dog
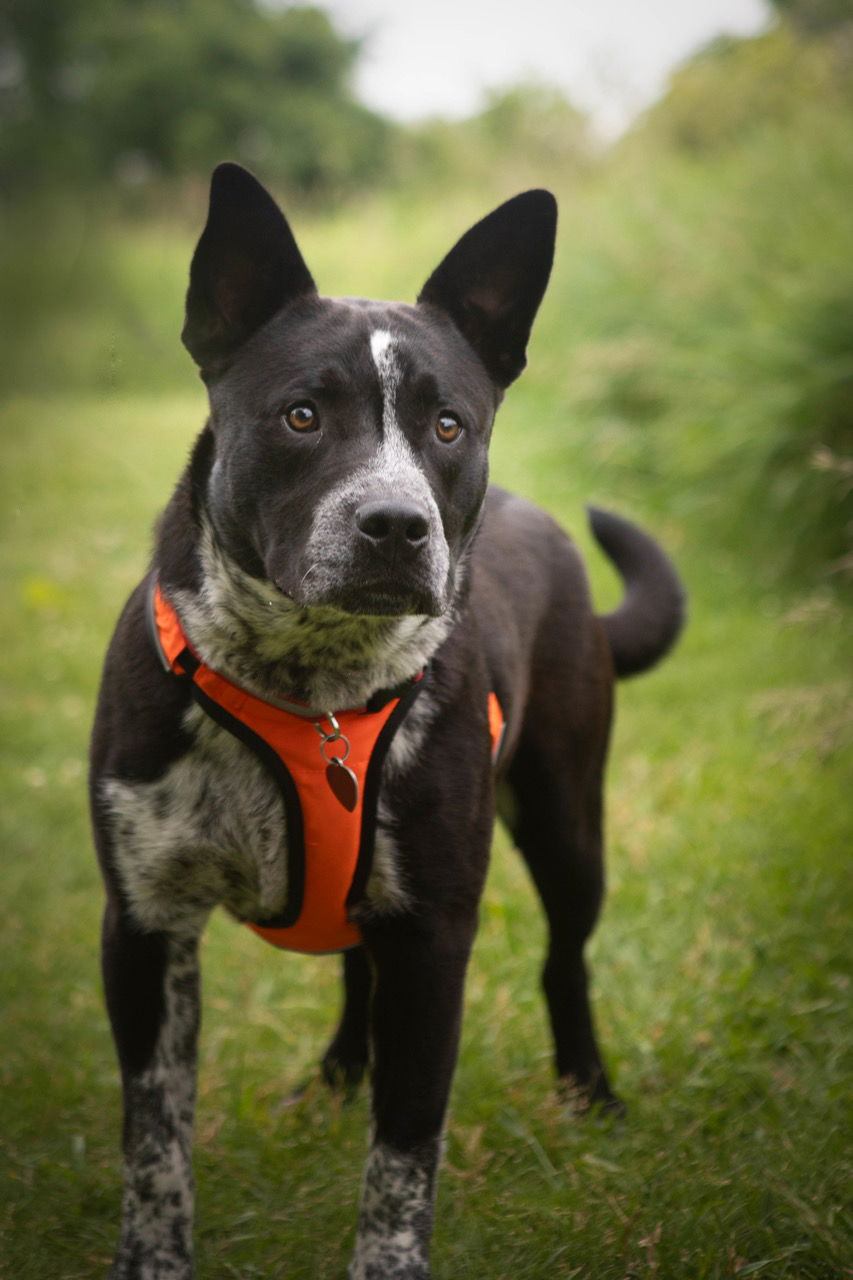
345,637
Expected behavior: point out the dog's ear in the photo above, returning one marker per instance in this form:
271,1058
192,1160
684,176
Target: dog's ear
492,281
246,266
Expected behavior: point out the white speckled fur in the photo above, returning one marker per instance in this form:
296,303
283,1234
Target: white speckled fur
395,1219
211,831
156,1239
247,630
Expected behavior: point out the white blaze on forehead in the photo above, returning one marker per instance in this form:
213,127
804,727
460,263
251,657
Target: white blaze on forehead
384,354
395,454
380,341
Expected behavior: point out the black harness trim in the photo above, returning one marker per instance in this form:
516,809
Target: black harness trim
371,792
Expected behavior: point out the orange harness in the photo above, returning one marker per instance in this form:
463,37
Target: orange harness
328,770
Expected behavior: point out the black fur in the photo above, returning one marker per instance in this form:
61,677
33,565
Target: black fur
332,534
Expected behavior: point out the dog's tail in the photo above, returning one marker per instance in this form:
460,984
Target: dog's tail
647,623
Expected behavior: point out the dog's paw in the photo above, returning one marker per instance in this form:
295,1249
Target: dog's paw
596,1100
140,1266
342,1076
394,1266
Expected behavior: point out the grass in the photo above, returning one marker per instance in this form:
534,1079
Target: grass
720,968
721,965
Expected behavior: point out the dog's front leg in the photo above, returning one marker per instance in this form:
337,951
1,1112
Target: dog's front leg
415,1019
152,989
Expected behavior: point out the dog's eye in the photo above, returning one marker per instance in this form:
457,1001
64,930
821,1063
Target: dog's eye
301,417
448,428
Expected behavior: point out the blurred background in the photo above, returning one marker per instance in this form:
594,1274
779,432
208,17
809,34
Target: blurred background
692,367
722,173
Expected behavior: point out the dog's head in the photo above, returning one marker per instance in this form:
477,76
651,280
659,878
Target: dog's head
351,437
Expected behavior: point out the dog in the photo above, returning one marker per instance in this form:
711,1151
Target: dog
345,640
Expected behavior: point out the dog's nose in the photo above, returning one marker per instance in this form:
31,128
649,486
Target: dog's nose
395,526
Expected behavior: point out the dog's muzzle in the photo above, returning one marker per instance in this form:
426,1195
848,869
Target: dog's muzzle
378,551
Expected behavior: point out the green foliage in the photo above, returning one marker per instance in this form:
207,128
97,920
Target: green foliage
816,15
115,89
744,344
734,87
710,336
522,133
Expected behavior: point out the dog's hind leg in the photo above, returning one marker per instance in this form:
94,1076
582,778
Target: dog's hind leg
152,990
345,1061
557,826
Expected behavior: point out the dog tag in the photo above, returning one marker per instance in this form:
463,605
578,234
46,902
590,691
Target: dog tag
343,783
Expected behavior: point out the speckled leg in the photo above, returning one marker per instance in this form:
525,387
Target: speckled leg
415,1018
157,1046
395,1222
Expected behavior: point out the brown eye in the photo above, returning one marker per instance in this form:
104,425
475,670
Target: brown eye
301,417
448,428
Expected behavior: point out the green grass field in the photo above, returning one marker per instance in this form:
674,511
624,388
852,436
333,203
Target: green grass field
721,964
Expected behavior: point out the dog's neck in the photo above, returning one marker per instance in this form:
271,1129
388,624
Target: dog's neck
244,628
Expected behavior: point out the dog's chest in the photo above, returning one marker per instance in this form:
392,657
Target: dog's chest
212,831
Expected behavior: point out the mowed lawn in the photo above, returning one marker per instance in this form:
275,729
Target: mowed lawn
721,964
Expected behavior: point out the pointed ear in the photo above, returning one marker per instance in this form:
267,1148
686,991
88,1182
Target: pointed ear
492,281
245,267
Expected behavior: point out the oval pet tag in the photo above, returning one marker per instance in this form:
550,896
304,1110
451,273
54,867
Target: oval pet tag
343,783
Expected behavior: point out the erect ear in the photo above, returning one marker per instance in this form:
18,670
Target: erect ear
492,281
245,267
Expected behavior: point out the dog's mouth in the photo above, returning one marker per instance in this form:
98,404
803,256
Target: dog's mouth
366,597
380,600
374,600
364,585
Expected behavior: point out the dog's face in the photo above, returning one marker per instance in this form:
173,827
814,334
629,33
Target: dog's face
351,455
351,437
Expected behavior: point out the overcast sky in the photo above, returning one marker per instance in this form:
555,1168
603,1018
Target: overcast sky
611,57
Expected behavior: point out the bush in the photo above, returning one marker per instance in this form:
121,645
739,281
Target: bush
709,304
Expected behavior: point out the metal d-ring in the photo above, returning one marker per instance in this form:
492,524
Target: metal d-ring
337,735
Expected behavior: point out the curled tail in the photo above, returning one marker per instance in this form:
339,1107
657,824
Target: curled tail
647,623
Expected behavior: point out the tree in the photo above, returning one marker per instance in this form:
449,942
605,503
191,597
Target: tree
815,16
132,88
524,135
733,86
